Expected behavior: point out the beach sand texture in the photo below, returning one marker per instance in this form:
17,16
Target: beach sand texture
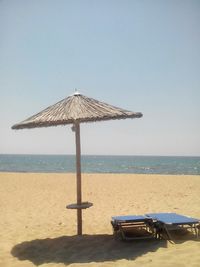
36,228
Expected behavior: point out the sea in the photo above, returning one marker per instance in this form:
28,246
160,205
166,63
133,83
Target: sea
101,164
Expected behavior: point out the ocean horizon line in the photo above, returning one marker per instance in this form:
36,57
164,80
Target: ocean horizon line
96,155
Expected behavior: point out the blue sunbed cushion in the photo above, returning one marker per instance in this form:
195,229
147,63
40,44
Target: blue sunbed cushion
130,218
172,218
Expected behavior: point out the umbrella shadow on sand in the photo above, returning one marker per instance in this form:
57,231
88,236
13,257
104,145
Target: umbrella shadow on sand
83,249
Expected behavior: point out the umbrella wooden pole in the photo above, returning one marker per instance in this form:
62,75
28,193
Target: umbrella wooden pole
78,178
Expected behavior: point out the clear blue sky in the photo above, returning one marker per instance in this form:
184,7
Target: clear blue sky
141,55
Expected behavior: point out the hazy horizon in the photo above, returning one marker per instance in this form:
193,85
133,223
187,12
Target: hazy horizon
96,155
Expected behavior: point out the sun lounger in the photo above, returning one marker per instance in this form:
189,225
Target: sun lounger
133,227
167,222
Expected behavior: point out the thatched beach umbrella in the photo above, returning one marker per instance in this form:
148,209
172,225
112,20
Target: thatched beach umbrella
74,110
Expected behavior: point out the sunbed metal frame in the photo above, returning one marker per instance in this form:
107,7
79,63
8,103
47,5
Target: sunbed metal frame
167,222
133,227
153,225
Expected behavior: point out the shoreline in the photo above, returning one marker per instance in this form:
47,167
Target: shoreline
97,173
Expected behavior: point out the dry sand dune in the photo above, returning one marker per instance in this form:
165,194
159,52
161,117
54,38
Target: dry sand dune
37,229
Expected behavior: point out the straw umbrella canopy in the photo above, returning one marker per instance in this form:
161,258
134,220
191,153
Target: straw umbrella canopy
74,110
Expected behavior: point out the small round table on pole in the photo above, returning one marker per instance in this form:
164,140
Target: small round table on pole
83,205
79,208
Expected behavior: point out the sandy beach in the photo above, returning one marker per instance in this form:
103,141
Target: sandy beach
36,229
